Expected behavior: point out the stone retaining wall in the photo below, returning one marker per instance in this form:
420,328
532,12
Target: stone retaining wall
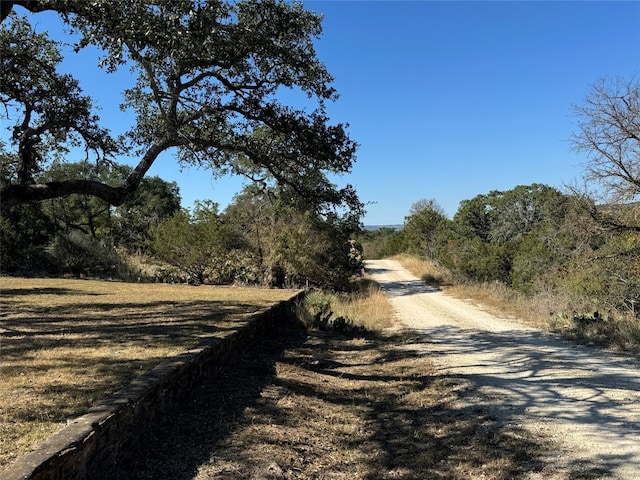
92,442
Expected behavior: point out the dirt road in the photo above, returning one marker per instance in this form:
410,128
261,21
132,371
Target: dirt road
585,401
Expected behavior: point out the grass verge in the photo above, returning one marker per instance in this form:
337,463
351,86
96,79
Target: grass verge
365,308
65,344
425,270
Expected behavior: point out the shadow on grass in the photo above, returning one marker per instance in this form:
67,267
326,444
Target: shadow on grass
179,445
416,428
92,325
329,406
44,291
78,353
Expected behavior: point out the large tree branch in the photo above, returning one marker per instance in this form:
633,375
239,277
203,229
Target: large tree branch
35,6
206,75
137,174
16,194
13,195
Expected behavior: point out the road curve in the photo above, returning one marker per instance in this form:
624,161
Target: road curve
584,400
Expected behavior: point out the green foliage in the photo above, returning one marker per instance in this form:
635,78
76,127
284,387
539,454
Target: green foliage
472,218
506,236
379,243
83,213
81,255
207,78
154,201
395,244
610,274
46,109
420,228
315,310
539,241
288,242
198,244
24,233
473,258
47,237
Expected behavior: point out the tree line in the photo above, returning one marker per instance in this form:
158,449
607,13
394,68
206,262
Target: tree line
583,242
533,238
265,236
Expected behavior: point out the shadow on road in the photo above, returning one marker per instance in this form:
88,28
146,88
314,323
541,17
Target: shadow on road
406,288
521,373
572,382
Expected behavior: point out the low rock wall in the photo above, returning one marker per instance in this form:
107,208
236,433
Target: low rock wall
92,442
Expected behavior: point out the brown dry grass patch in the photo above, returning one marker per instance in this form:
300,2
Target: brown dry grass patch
364,308
323,405
64,344
425,270
368,307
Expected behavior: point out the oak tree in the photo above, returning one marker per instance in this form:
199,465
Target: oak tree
208,78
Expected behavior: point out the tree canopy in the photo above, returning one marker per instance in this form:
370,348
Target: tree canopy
420,227
208,75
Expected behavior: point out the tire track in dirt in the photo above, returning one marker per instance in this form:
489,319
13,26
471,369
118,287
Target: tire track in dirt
585,401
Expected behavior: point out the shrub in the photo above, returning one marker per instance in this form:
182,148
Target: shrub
79,254
365,308
315,310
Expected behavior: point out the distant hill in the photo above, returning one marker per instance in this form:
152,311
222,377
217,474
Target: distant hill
378,227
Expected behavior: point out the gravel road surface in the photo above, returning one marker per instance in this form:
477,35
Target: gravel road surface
583,400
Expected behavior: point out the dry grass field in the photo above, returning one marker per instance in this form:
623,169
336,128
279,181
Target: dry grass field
64,344
305,404
313,404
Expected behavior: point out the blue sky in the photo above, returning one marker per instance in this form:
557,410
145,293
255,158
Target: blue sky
447,100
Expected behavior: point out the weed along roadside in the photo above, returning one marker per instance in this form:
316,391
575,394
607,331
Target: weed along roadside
34,326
